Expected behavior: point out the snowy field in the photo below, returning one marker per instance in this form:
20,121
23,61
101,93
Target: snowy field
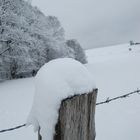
116,71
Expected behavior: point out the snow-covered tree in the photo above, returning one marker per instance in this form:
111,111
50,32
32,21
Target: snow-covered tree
77,49
29,1
31,39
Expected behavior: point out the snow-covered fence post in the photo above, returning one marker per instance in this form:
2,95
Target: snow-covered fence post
64,101
76,118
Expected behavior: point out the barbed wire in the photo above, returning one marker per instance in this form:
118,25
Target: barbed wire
108,100
11,129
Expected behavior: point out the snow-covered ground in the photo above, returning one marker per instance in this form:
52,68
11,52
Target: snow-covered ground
116,71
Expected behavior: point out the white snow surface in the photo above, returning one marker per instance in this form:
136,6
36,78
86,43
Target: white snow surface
54,82
116,71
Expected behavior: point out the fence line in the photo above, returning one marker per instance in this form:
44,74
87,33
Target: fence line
108,100
11,129
118,97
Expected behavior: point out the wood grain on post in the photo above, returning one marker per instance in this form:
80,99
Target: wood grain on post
76,118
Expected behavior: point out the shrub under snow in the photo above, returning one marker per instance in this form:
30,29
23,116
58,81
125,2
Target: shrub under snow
78,51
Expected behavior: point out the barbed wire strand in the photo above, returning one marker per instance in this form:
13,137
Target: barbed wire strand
14,128
118,97
108,100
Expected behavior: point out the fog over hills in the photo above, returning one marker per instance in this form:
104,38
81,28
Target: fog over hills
96,23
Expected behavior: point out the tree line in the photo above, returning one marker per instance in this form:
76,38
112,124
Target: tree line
29,39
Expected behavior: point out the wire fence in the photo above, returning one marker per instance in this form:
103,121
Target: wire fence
108,100
11,129
118,97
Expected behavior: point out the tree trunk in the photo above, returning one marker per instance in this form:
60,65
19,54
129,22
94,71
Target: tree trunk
76,118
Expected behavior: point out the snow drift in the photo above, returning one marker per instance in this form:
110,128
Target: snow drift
55,81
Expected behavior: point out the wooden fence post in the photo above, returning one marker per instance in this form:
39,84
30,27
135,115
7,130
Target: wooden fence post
76,118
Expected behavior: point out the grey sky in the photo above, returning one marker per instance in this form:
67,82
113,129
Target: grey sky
96,22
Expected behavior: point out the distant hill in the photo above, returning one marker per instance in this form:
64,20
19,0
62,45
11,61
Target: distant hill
28,39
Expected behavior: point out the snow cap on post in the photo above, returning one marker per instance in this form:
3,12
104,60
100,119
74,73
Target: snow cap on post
55,81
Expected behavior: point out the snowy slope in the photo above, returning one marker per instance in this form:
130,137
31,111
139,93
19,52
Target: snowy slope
116,71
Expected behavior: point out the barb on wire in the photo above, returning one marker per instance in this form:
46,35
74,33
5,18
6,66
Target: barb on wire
14,128
119,97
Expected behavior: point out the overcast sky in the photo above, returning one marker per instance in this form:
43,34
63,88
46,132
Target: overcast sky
96,23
